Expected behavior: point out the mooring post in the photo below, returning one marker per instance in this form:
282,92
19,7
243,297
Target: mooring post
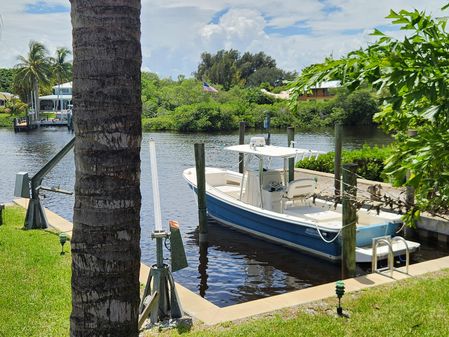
202,268
201,190
2,214
291,161
337,162
348,232
241,142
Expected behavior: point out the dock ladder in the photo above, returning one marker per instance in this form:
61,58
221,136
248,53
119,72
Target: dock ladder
389,241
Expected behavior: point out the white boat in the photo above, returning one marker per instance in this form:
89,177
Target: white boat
263,203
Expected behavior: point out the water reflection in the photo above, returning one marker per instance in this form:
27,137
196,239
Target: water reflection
251,268
202,268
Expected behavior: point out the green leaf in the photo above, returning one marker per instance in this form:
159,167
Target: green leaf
377,32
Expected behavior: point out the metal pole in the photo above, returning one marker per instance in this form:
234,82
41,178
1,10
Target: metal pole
337,163
201,190
155,185
241,142
348,237
291,161
266,125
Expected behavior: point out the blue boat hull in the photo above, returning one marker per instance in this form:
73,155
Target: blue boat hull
293,234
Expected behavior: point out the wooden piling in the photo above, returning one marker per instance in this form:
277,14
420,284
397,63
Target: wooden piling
337,162
291,161
241,142
200,165
2,214
348,232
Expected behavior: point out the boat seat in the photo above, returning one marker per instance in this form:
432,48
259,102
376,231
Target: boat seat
233,191
298,190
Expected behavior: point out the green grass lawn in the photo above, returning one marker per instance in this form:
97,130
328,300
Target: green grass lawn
414,307
35,299
34,280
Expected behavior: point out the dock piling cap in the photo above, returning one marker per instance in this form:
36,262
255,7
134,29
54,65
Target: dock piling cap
173,224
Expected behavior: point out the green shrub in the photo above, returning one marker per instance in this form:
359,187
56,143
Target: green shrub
6,120
163,123
203,117
370,162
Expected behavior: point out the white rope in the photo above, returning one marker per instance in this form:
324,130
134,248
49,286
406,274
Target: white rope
336,236
322,238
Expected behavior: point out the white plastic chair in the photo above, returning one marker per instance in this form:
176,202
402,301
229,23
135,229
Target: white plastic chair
298,190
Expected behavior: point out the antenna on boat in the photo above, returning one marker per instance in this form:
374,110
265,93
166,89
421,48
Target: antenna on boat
160,300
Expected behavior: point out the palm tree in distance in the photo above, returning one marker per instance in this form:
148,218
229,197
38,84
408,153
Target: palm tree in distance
61,69
34,70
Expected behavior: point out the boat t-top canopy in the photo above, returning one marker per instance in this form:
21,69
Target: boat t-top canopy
272,151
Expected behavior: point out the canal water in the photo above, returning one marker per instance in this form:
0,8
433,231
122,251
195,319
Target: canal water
234,268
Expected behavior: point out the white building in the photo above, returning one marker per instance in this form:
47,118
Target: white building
62,95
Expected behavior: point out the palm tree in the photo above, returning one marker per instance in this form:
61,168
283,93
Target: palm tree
107,121
61,69
34,70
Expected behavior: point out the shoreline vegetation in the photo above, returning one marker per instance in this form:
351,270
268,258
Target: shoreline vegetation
185,105
35,299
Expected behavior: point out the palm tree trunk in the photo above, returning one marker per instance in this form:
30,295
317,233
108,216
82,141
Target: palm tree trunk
36,99
107,121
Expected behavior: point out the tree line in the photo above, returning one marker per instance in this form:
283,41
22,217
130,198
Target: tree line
182,105
229,68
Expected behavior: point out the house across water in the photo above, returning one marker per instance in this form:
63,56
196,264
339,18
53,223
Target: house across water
323,90
61,99
5,96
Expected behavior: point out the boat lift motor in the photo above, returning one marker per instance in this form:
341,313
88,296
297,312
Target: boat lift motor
160,300
29,188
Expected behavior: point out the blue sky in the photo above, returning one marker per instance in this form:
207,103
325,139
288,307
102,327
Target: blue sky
44,7
176,32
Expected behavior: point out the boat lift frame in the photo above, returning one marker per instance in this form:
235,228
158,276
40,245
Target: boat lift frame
35,216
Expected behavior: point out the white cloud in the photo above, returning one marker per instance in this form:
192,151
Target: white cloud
237,29
176,32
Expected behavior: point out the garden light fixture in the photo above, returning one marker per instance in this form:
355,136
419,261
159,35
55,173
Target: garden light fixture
340,291
62,241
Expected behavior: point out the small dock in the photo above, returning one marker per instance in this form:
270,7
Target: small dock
53,122
24,124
